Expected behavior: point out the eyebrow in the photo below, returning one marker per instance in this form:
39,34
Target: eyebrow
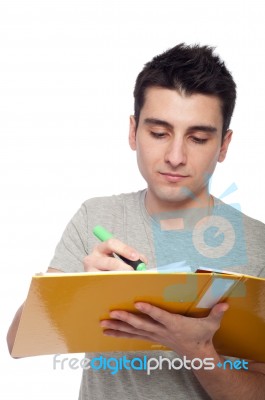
155,121
160,122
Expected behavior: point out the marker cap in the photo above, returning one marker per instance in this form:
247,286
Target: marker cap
101,233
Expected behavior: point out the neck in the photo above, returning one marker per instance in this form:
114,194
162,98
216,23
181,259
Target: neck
156,206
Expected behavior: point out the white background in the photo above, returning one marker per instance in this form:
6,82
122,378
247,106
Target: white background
67,71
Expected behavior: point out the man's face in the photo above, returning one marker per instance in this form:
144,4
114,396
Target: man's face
178,143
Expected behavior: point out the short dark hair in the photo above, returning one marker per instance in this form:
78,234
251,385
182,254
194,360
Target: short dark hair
190,69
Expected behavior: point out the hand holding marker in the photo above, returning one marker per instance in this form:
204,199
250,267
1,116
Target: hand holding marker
103,235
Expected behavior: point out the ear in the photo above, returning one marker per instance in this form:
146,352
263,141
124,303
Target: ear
132,133
225,145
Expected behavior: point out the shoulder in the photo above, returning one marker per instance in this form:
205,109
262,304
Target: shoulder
234,212
246,236
107,203
112,212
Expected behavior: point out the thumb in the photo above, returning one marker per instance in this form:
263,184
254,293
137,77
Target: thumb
218,311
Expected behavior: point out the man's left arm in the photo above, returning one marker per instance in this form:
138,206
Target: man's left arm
191,337
229,384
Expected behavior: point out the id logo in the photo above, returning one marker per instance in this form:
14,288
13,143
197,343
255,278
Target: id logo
211,237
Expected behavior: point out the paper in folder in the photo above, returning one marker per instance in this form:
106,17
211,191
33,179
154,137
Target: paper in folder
62,311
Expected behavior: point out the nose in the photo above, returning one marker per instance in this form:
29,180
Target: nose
176,153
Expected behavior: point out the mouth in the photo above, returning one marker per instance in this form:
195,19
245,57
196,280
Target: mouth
170,177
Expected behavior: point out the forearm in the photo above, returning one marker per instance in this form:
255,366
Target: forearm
11,335
191,337
228,384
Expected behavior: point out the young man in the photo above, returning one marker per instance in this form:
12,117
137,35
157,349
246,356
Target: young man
184,100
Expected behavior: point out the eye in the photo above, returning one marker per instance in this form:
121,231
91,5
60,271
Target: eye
158,135
198,140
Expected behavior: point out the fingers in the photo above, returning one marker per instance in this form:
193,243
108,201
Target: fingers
101,258
218,311
216,315
94,263
131,325
178,332
157,314
142,322
122,328
116,246
112,332
143,258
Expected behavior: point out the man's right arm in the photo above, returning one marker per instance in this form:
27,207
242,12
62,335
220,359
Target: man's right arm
100,259
12,331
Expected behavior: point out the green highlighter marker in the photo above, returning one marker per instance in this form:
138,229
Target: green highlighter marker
103,235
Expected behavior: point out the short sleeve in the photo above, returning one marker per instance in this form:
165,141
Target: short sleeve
73,246
262,273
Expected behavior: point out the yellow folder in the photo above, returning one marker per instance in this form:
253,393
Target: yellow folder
62,311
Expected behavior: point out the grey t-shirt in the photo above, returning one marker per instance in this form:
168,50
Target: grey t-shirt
126,217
